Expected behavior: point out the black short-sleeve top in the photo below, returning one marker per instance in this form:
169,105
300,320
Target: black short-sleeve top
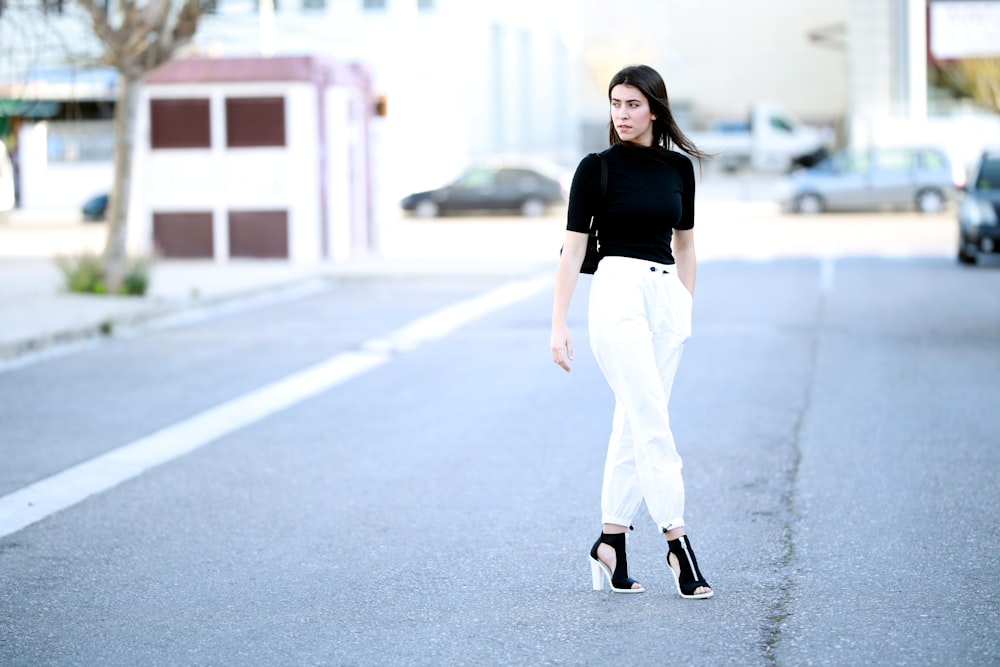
650,193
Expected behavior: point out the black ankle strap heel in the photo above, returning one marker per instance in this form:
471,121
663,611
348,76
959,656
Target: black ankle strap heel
619,580
687,576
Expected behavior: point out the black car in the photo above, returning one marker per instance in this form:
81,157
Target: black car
95,209
527,186
979,214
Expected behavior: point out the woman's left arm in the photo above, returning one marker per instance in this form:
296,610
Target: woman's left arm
683,251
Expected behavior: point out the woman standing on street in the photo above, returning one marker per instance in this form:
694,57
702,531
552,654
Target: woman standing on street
639,315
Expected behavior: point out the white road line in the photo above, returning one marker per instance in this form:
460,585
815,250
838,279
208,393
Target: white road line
74,485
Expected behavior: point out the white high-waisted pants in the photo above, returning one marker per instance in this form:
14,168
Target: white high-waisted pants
639,318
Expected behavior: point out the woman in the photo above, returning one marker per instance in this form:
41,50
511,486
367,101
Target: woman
639,315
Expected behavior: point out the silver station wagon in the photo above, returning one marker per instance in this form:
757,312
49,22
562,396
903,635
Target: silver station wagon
871,180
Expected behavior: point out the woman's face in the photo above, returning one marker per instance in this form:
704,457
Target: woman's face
631,115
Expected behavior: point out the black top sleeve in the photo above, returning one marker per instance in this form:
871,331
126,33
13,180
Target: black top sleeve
686,169
584,194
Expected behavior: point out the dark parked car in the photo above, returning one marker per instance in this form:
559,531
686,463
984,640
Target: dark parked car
870,180
978,226
528,186
95,208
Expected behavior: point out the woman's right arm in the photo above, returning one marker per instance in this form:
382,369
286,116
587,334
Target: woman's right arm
567,275
582,206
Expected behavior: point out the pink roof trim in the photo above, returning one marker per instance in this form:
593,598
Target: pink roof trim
233,70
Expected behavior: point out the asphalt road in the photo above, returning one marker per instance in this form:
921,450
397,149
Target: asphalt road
837,416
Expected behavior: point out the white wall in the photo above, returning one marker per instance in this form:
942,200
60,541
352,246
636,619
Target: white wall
870,60
56,185
6,180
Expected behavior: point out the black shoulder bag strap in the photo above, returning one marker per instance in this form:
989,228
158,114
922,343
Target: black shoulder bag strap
604,175
593,256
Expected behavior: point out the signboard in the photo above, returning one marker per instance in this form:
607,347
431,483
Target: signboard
964,29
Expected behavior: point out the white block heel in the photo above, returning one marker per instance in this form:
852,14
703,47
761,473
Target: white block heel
596,575
618,581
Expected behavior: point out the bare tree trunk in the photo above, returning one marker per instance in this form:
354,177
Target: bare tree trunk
137,39
116,250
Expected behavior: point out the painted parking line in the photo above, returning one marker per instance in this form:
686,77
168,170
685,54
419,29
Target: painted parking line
74,485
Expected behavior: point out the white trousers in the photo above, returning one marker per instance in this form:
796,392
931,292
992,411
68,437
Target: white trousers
639,319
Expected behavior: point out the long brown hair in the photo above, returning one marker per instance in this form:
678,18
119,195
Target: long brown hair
665,130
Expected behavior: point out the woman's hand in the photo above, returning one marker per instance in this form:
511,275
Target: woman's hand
561,346
684,257
567,273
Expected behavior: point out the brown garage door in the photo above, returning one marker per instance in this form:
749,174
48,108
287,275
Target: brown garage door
183,234
258,234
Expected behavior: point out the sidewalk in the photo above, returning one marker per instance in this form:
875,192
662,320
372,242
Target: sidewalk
38,315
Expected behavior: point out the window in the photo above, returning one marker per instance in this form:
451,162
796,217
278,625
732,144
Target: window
52,6
519,179
894,161
477,177
81,141
989,174
933,160
373,5
852,163
313,4
255,121
182,123
780,124
425,5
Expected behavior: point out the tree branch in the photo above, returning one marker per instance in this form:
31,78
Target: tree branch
184,27
99,21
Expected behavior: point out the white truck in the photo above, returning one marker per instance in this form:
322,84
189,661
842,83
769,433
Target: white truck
772,140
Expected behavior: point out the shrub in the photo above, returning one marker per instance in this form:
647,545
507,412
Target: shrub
85,274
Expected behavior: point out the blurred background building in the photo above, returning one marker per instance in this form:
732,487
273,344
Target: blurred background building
721,58
894,98
454,80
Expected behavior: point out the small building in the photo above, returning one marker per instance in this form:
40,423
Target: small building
253,158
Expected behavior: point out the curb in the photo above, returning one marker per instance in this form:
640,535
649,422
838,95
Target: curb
154,316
